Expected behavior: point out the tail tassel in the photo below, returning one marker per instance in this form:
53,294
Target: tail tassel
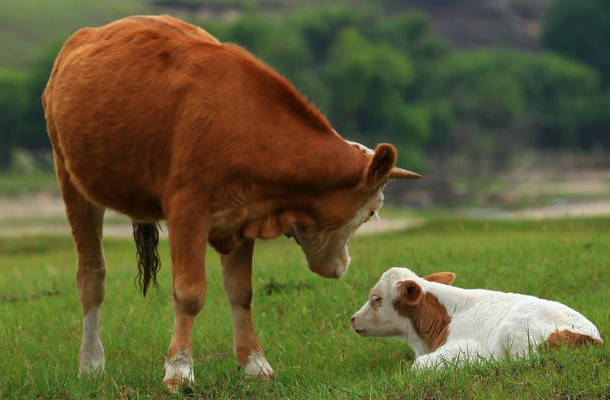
146,236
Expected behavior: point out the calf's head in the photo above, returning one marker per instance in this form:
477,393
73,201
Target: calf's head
341,212
399,305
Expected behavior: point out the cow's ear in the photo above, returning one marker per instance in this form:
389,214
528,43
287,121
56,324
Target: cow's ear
409,291
441,277
381,164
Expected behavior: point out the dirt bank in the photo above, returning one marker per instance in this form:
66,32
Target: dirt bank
44,213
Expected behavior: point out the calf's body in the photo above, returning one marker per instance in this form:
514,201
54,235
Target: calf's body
444,323
157,119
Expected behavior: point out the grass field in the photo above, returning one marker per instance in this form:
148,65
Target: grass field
15,184
302,319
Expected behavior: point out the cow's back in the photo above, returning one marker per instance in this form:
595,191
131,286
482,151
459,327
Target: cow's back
112,105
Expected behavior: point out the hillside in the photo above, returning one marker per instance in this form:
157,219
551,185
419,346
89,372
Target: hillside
473,23
25,25
465,23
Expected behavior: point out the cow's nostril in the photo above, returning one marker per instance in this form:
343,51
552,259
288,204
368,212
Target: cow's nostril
352,319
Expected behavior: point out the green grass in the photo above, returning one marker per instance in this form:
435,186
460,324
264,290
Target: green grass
303,325
13,183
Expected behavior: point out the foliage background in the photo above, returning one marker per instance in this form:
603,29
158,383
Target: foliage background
461,89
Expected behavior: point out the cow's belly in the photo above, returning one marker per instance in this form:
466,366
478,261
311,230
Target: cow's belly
120,192
127,174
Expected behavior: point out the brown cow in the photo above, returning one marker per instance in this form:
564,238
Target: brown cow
157,119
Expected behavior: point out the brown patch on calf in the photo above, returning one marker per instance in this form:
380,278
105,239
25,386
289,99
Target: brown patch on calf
410,292
566,337
428,316
446,278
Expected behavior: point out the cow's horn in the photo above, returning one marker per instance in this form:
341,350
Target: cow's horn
400,173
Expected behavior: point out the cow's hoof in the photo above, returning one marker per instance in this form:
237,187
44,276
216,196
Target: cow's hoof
91,360
258,367
179,372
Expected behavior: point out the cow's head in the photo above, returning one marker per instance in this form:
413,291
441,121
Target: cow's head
341,212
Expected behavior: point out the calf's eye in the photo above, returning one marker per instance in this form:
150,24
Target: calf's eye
375,301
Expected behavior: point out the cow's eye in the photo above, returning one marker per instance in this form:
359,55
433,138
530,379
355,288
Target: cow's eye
376,300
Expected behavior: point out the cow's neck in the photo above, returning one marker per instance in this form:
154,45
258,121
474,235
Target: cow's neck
278,138
313,160
251,211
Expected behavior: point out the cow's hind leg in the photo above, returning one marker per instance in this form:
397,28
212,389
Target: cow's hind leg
237,276
86,220
188,234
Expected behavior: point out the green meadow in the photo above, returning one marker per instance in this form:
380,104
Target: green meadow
303,319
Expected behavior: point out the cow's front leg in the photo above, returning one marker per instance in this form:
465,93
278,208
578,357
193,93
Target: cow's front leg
237,277
455,353
188,233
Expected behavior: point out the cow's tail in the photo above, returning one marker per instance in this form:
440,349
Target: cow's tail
146,236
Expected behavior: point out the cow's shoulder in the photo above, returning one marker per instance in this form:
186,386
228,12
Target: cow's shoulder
186,28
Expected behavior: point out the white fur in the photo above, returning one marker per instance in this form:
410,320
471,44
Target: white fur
91,354
180,368
451,352
484,323
327,252
362,147
258,367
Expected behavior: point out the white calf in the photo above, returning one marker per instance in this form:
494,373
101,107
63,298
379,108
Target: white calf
443,323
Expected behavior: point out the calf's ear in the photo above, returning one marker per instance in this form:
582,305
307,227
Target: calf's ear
441,277
409,291
381,164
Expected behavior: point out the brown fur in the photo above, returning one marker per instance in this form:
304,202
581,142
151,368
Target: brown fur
428,316
237,278
446,278
157,119
566,337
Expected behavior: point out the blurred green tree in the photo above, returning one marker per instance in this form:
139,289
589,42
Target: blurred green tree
542,94
367,81
31,133
12,102
382,77
580,29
